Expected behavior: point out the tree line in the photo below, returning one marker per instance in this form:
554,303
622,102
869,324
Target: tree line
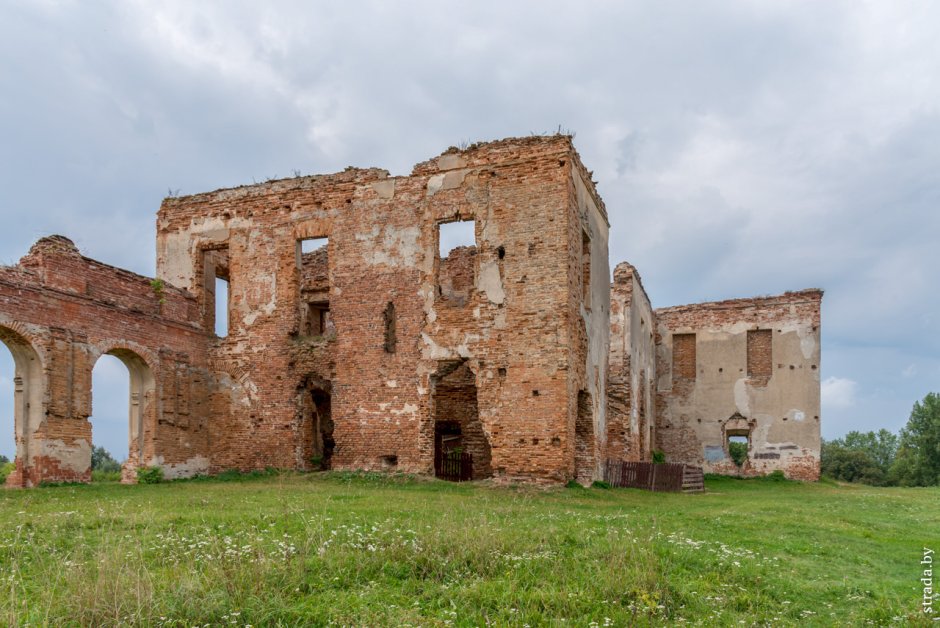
910,458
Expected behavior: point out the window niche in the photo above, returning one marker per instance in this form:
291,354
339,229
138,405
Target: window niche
391,334
314,273
760,355
456,265
683,357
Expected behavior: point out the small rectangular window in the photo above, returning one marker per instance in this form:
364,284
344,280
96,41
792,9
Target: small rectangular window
318,318
683,356
221,307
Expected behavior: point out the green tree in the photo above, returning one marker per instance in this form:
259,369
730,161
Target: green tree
850,465
881,446
918,460
4,459
102,460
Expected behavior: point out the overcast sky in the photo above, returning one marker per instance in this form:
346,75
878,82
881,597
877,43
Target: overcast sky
742,148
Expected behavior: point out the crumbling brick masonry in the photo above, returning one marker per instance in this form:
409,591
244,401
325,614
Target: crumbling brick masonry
349,340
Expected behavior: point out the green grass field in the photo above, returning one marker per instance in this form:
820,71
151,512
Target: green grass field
348,549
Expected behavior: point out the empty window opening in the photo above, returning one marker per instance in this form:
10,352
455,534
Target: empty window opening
389,462
586,269
454,235
457,261
585,445
313,244
314,270
391,337
221,307
737,448
21,388
461,448
759,354
217,289
683,356
318,321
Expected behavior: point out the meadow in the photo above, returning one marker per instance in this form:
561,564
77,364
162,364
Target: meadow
370,549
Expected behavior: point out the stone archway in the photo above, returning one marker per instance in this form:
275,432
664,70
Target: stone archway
28,396
141,407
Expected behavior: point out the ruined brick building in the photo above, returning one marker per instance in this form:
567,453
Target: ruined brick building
371,348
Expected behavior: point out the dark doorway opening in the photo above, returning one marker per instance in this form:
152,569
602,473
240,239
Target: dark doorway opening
322,427
461,447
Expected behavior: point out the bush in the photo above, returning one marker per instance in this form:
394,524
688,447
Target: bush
659,457
573,484
738,452
149,475
600,484
777,476
105,476
6,469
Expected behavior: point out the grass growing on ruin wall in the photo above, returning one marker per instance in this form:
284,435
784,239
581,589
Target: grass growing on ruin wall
379,550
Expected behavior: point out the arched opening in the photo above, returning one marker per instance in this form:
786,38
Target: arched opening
122,403
24,394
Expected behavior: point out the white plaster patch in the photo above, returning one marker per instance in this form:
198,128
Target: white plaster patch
434,351
384,188
807,342
193,466
797,415
392,383
390,246
75,457
491,283
435,183
450,161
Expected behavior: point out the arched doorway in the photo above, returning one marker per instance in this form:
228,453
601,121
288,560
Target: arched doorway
110,381
27,397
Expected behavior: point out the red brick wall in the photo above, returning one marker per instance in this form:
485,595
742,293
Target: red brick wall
70,309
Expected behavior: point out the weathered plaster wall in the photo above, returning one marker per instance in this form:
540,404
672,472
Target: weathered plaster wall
59,312
632,368
780,414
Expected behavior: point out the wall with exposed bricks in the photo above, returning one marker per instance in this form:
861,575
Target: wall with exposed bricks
340,357
59,312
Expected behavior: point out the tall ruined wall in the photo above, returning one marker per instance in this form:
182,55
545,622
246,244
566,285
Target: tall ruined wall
631,389
588,320
747,368
515,320
59,312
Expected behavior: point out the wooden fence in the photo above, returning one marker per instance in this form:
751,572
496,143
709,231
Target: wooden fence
454,466
654,477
